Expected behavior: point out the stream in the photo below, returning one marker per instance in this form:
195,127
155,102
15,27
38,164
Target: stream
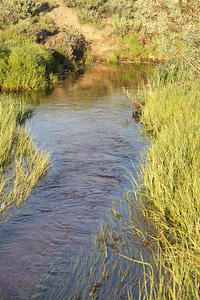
86,122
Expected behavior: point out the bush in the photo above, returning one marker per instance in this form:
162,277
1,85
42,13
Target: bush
22,10
69,49
174,23
26,65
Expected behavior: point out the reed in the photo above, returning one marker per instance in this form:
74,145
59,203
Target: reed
22,163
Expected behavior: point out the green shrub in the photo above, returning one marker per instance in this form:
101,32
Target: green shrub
174,23
14,10
26,65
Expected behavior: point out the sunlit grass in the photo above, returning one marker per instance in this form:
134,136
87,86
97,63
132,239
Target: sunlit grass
21,161
171,179
24,64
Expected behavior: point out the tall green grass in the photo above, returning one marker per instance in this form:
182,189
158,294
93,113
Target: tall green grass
21,161
171,180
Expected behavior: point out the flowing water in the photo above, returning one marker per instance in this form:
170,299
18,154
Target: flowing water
86,122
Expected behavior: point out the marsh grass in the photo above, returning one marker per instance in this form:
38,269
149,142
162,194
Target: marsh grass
21,161
171,179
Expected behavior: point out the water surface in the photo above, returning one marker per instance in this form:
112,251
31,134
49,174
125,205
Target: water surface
86,122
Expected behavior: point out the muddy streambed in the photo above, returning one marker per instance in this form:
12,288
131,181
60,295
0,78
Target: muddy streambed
87,124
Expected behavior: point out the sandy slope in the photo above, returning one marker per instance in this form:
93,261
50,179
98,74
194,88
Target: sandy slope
102,43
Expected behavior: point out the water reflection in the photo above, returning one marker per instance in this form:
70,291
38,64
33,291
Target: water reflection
86,123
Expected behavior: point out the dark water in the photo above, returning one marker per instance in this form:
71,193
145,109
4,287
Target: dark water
87,124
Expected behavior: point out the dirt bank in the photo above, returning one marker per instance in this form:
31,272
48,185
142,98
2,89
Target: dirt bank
101,42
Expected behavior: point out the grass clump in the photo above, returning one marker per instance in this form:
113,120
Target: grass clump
21,161
131,48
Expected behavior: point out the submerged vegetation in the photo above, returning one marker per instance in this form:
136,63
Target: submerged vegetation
21,161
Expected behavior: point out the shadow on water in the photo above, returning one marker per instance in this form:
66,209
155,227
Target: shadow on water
87,124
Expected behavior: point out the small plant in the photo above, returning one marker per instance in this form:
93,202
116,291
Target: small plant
113,58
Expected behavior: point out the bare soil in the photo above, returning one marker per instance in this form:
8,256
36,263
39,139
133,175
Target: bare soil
101,42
